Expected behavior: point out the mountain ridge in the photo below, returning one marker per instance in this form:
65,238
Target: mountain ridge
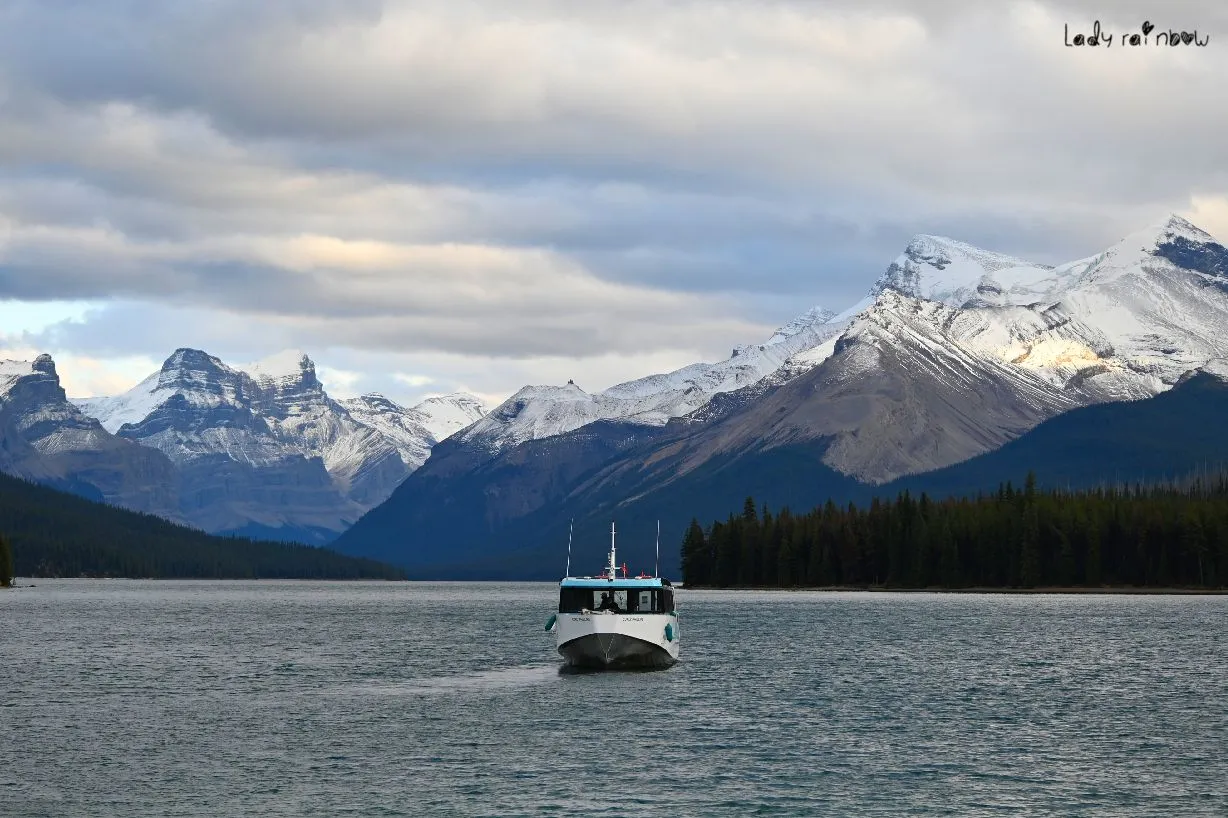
953,353
267,452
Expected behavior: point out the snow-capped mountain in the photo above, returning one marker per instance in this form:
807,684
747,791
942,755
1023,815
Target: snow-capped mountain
362,462
46,438
1126,300
937,268
544,411
226,433
913,385
267,449
1003,344
1121,302
1151,307
955,351
414,431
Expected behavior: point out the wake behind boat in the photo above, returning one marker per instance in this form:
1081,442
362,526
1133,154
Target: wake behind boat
613,622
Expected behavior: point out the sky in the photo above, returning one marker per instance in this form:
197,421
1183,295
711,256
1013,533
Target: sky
438,196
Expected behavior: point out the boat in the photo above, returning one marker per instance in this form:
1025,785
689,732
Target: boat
612,622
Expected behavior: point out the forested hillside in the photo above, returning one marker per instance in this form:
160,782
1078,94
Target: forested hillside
1140,536
54,534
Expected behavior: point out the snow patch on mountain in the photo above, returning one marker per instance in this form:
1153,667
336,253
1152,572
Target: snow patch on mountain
275,411
1159,297
445,415
40,412
415,430
1133,318
1124,324
288,363
1217,367
812,317
404,430
1039,343
130,407
544,411
938,268
10,371
45,437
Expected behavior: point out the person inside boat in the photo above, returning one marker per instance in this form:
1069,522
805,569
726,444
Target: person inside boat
607,602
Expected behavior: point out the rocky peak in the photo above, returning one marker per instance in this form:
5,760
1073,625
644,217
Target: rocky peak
1176,225
29,383
287,384
377,402
813,317
45,364
1189,247
186,358
290,363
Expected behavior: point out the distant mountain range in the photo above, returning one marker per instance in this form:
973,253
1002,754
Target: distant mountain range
265,453
954,353
960,368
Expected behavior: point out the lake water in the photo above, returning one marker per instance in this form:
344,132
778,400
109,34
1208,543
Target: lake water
123,698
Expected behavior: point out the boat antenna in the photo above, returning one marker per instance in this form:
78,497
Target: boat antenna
570,524
657,568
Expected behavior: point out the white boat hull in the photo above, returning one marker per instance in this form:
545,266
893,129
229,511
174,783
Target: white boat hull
615,641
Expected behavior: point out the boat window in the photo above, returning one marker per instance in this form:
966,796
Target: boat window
627,600
620,599
573,600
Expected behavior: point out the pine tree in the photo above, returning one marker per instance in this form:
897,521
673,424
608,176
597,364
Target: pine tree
1142,535
769,548
1092,562
897,549
749,515
696,561
1064,570
789,573
6,562
1193,544
727,546
948,554
1029,552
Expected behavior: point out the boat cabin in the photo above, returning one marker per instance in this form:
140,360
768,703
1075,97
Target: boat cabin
652,595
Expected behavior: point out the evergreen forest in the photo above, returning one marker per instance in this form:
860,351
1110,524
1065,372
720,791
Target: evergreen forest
49,533
1171,535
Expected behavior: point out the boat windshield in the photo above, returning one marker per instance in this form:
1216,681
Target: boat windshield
618,600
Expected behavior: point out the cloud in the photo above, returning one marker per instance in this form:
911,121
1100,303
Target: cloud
413,380
82,376
500,301
1211,214
381,355
611,181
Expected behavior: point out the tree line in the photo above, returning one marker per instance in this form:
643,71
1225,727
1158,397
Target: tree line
6,562
1171,535
48,533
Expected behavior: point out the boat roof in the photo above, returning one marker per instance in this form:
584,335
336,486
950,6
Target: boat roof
604,582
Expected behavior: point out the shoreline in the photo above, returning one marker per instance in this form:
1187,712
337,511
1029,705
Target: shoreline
1127,590
1050,590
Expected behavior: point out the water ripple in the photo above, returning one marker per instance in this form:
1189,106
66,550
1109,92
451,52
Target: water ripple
225,698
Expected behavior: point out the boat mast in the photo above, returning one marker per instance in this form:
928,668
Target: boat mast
570,524
657,568
610,569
